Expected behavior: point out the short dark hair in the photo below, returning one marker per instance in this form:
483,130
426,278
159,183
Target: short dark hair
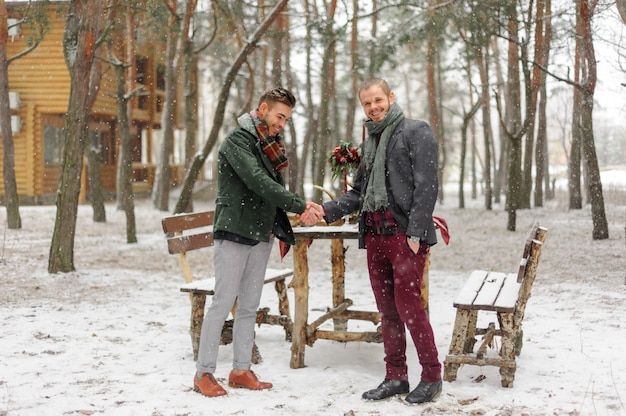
277,95
375,82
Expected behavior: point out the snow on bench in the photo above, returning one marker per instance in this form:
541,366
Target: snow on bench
206,286
489,291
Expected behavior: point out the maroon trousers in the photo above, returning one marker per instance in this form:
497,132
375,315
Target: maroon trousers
396,277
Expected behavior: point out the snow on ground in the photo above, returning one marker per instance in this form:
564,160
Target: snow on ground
112,338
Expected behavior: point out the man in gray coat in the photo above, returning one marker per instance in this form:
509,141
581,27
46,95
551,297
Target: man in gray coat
395,190
250,212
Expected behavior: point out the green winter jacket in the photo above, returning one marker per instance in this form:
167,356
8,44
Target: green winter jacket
251,195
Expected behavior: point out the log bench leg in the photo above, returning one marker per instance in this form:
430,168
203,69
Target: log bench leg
458,343
450,370
470,336
518,338
507,351
197,317
519,342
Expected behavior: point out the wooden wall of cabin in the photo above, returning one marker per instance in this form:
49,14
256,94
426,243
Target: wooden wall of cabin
42,81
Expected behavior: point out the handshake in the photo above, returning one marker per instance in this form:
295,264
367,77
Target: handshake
312,214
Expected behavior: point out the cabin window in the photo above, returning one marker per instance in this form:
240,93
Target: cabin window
141,64
52,144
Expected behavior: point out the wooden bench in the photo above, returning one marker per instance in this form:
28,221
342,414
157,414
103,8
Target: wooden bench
187,232
506,294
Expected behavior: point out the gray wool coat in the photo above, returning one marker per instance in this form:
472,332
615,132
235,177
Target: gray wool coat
412,184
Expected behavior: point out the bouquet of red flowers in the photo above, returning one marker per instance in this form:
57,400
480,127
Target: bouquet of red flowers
344,159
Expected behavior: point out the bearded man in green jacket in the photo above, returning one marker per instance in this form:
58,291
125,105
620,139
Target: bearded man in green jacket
250,213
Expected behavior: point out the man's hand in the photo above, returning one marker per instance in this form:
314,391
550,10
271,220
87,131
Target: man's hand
415,247
312,214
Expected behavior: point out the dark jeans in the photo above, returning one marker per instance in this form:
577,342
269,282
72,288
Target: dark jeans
396,278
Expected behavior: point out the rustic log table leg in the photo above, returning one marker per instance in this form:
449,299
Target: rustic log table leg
300,285
283,307
338,261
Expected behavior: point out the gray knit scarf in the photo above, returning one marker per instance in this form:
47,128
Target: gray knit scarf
376,192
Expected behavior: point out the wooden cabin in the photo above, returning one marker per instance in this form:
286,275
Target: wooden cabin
39,85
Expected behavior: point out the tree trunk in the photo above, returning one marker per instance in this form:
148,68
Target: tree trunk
162,180
218,119
433,109
621,8
82,29
575,192
483,65
501,169
93,151
473,158
191,106
310,134
542,178
281,75
541,151
124,34
594,185
294,181
125,168
513,123
95,184
466,124
11,197
352,101
189,66
321,146
373,65
467,119
124,75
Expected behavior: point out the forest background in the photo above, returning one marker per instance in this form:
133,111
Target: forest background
509,87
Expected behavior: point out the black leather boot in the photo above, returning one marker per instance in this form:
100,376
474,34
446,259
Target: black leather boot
387,389
424,392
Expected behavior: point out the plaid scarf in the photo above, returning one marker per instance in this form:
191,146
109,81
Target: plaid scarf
273,146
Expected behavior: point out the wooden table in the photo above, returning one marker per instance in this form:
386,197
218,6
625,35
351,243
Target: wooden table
306,334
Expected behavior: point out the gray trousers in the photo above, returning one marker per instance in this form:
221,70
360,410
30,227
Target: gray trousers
239,275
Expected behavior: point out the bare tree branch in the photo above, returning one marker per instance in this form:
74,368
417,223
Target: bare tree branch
194,169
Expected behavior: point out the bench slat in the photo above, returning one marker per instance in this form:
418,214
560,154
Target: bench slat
207,286
184,243
489,292
181,222
466,297
508,294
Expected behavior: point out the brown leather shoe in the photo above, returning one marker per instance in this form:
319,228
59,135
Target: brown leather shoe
246,379
207,385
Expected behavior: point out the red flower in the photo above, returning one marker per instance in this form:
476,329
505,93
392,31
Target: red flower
345,158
